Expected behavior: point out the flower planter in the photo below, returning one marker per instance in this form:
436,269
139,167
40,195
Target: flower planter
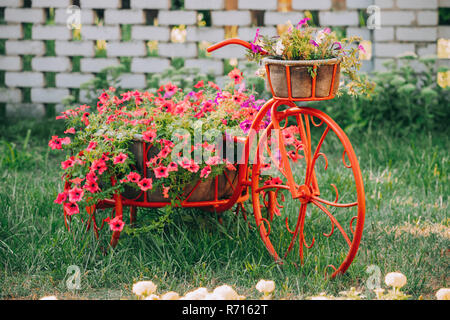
291,79
204,191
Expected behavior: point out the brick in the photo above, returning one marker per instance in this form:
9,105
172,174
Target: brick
62,16
274,18
384,4
74,48
229,52
150,33
444,3
123,16
150,4
416,34
26,47
444,32
10,95
248,34
11,3
427,18
430,49
230,18
417,4
72,80
204,4
206,65
97,64
100,33
311,5
338,18
260,5
379,64
50,3
211,34
384,34
172,50
132,81
24,79
10,63
367,66
176,17
100,4
48,95
40,32
24,15
397,18
51,64
26,110
11,31
149,65
388,50
358,4
359,32
125,49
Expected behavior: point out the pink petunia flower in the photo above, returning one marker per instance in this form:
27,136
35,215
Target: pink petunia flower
146,184
213,161
120,158
99,166
185,163
134,177
76,194
68,163
193,167
172,167
161,172
55,143
149,136
166,192
91,186
61,198
92,145
116,224
236,75
205,172
71,208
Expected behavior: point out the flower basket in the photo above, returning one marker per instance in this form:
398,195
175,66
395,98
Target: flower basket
300,79
200,190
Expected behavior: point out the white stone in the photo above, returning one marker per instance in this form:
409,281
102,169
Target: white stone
397,18
25,47
417,4
149,65
384,4
204,4
150,4
378,64
384,34
43,32
126,49
51,64
11,31
26,110
248,33
100,4
100,33
311,5
74,48
11,3
172,50
132,81
274,18
194,34
231,18
150,33
97,64
229,52
206,65
10,95
416,34
24,79
24,15
430,49
338,18
48,95
391,50
10,63
258,4
364,33
444,3
427,18
444,32
358,4
50,3
62,16
176,17
124,16
72,80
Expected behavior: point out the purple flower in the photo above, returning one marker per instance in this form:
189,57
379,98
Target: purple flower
255,48
302,22
339,46
314,43
245,125
360,47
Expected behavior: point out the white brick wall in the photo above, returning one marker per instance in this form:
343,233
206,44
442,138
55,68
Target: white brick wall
206,65
172,50
248,33
176,17
24,79
150,4
74,48
274,18
231,18
150,33
338,18
384,34
51,64
204,34
25,47
116,16
62,15
228,52
430,49
359,4
364,33
311,5
132,81
427,18
33,110
149,65
50,3
100,4
12,3
444,32
11,31
204,4
383,4
392,49
258,4
126,49
24,15
10,63
72,80
416,34
40,32
397,18
48,95
97,64
10,95
417,4
100,32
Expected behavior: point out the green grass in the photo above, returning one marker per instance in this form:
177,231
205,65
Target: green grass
406,184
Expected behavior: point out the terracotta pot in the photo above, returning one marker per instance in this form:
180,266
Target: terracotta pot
205,191
301,83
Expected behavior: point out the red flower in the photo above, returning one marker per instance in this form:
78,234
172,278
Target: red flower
71,208
166,192
116,224
61,198
205,172
76,194
172,167
134,177
68,163
99,165
146,184
199,84
91,186
71,130
91,176
92,145
149,135
55,143
236,75
193,167
161,172
120,158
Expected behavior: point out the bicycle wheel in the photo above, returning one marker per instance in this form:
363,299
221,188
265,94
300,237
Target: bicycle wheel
290,185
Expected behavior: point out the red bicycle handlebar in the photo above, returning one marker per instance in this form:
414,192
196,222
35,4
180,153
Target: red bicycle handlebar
232,41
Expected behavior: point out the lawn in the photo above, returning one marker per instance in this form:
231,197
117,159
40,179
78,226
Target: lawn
406,229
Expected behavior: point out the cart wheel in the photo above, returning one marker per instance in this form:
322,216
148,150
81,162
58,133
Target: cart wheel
305,170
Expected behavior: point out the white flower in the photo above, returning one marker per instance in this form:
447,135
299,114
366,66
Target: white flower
171,295
261,72
197,294
279,47
49,298
266,286
152,297
379,292
144,288
226,292
395,279
443,294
